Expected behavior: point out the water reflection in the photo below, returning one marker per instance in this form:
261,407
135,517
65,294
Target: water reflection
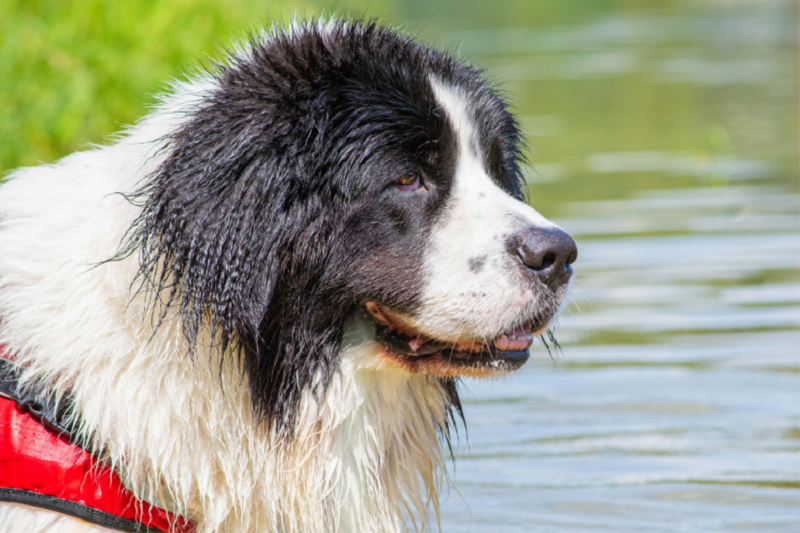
666,142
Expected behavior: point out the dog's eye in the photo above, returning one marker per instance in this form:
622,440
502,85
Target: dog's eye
408,181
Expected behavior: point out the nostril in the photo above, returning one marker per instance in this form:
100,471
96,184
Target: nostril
548,260
537,258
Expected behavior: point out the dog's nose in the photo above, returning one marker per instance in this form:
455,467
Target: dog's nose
547,252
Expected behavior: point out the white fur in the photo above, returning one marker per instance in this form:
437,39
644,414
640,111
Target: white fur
180,432
457,300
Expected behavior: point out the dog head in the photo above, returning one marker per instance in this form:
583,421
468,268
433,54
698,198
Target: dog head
342,169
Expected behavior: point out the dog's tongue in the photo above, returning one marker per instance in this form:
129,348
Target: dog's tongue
516,340
417,343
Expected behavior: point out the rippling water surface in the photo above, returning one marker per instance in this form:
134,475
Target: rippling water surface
664,139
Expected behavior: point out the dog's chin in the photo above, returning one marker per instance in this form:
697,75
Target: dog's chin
415,351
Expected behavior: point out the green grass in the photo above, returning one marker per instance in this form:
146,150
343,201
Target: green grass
74,72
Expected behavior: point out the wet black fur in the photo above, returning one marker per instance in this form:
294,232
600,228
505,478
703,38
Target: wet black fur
275,216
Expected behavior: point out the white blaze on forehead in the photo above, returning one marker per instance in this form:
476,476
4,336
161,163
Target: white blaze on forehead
474,287
471,179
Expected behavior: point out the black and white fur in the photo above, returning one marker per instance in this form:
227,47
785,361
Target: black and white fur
200,284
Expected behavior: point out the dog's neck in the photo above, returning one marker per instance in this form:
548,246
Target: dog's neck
382,426
365,457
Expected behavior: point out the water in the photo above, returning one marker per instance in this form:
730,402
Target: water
664,139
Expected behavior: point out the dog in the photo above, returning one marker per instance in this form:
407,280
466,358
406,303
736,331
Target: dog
251,311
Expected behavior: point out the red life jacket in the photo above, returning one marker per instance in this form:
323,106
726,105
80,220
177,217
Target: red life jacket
41,466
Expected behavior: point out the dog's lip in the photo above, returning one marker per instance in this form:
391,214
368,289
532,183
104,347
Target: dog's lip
509,350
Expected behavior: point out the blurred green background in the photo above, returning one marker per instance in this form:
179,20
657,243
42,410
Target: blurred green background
73,72
663,136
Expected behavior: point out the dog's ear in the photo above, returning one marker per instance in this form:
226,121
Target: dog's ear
237,243
233,235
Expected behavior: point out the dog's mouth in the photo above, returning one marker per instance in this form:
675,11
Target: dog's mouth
417,352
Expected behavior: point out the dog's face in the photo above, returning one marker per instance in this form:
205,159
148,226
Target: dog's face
346,169
468,272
